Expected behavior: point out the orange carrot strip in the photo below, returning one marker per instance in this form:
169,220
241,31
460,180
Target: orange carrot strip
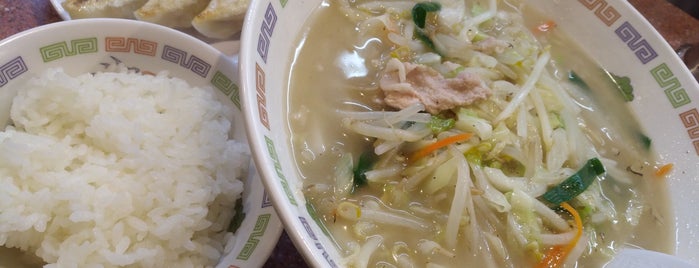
557,254
552,258
664,170
439,144
546,26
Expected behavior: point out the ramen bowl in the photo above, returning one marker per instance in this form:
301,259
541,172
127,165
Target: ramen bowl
98,45
615,36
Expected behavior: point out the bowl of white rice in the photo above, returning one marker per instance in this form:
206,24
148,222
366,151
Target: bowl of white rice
122,144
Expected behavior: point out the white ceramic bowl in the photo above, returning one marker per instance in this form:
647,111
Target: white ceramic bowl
612,32
81,46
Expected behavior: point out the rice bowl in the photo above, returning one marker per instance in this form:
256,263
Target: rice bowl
78,138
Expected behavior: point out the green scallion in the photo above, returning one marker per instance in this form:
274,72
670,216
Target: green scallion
575,184
420,11
366,161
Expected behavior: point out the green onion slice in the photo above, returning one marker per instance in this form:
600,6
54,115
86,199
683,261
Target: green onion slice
575,184
420,11
365,163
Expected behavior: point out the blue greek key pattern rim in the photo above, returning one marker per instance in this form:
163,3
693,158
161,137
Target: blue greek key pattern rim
12,69
317,243
640,46
193,63
266,199
266,31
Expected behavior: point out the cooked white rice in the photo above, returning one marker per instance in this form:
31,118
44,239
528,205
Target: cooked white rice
119,169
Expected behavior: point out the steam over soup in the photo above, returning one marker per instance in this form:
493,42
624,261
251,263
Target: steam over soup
459,133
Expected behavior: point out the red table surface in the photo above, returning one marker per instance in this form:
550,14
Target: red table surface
676,26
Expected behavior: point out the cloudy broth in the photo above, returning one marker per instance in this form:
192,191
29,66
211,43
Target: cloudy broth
335,69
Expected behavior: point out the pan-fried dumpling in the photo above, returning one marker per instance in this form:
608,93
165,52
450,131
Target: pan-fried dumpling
222,18
102,8
171,13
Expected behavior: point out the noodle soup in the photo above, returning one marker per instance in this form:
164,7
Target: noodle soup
527,153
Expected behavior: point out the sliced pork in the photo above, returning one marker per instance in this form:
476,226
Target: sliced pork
405,83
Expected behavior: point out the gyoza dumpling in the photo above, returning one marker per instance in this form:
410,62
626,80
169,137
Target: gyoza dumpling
222,18
79,9
171,13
